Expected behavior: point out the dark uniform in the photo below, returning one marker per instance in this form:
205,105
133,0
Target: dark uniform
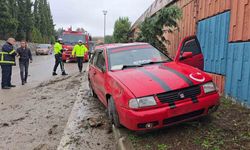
7,60
24,60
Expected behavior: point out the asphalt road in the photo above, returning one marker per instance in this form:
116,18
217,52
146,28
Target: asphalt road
40,70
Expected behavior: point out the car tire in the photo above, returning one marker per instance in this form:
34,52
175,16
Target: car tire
64,61
112,113
92,92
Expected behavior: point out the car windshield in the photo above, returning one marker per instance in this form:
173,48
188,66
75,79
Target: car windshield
71,39
43,46
120,58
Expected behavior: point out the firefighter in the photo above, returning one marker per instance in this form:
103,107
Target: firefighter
58,57
7,60
79,51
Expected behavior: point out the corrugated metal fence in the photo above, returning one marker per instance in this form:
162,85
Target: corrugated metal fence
238,72
222,57
213,36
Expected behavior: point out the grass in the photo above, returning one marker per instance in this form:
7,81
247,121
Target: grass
162,147
228,127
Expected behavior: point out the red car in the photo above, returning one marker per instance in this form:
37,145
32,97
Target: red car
144,89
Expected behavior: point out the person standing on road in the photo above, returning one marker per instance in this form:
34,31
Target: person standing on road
7,60
25,57
58,57
79,51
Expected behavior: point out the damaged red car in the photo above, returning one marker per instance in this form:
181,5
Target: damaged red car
144,89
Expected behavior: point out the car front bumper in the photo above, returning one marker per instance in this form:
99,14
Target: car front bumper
165,116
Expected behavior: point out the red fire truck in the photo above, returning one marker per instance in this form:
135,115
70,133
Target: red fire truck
70,39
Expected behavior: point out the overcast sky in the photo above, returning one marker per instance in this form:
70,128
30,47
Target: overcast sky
88,13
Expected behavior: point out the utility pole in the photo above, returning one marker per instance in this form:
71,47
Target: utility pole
105,14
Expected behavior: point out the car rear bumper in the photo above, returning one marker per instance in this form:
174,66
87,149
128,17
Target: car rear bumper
68,57
165,116
42,52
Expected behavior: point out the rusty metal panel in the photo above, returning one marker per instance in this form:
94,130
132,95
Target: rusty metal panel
187,25
154,8
240,21
219,80
208,8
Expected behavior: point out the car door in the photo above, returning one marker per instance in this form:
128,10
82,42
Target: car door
189,52
99,75
92,71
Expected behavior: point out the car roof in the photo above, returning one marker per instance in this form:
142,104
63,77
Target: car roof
120,45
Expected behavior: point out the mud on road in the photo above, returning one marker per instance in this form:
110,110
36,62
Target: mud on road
88,127
36,120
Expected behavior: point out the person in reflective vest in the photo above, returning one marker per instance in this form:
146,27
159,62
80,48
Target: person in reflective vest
58,49
79,51
7,60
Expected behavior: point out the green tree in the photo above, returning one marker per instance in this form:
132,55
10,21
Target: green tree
12,7
28,24
151,30
36,35
121,30
8,24
24,19
109,39
36,16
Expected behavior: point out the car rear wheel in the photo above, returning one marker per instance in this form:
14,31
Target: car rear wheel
64,61
92,92
112,113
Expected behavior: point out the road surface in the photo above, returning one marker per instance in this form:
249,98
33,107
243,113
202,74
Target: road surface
40,70
40,114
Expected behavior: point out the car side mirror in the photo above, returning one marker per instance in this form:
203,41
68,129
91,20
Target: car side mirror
103,69
186,55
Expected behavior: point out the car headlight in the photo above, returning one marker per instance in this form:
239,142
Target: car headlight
209,87
142,102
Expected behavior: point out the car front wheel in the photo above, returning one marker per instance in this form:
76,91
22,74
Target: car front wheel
112,113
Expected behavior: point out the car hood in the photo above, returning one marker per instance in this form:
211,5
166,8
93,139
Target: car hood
159,78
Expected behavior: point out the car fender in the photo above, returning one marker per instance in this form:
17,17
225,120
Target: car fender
120,93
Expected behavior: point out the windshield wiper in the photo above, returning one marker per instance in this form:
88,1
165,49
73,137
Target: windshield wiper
131,66
155,62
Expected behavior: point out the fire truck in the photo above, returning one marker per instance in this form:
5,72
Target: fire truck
70,39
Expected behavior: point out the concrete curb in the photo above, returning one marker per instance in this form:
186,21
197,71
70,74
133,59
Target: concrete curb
65,143
122,143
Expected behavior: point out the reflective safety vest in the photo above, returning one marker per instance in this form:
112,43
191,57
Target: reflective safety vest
7,58
79,50
57,48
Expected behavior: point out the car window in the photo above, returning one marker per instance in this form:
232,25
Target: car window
135,56
94,58
100,62
191,46
43,46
